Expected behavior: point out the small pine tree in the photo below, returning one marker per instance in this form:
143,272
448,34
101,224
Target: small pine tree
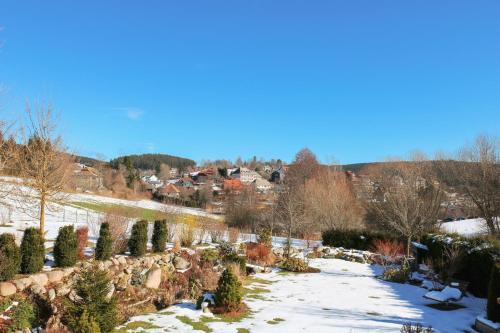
104,246
10,257
66,247
159,238
138,241
228,293
92,288
32,251
87,324
493,307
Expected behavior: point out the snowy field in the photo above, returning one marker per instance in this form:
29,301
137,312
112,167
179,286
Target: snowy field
344,297
470,227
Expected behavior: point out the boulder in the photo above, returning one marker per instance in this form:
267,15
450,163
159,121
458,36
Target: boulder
40,279
55,276
122,260
153,279
122,283
7,289
63,290
181,263
38,289
52,294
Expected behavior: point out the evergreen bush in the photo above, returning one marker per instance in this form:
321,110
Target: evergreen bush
493,307
10,257
138,241
228,293
104,246
32,251
159,238
66,247
92,289
87,324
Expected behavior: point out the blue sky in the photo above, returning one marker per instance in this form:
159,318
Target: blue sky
352,80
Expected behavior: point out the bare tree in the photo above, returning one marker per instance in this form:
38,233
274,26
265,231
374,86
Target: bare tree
411,198
477,174
331,203
164,171
43,162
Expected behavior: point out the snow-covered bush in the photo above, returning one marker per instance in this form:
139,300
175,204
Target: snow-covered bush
415,328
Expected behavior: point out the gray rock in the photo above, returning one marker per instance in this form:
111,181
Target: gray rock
7,289
181,263
52,294
153,279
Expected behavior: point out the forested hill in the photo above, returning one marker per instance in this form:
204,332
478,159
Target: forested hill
153,161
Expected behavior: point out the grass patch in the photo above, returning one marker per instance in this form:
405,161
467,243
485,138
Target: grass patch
242,330
135,325
275,321
255,291
252,279
445,307
196,325
166,313
127,211
373,313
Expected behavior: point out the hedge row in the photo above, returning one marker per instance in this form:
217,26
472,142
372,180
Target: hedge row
478,258
354,239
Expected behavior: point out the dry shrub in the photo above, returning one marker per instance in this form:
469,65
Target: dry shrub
259,253
186,236
209,278
390,251
177,247
235,267
202,231
82,236
217,231
234,235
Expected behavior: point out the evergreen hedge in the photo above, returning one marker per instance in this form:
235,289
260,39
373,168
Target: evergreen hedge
159,238
104,246
354,239
228,293
66,247
138,241
10,257
32,251
493,307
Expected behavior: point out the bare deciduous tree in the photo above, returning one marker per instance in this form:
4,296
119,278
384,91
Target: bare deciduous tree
43,163
331,203
411,198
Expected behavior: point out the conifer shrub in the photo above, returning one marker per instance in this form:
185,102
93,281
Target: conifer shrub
32,251
228,294
87,324
66,247
138,241
10,257
92,289
266,237
160,234
104,246
82,236
493,306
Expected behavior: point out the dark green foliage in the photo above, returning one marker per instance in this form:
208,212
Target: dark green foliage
298,265
209,256
228,293
92,288
10,257
266,237
153,161
476,264
66,247
354,239
138,241
22,316
104,246
87,324
493,307
32,251
159,238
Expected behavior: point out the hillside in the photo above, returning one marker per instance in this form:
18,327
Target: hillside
153,161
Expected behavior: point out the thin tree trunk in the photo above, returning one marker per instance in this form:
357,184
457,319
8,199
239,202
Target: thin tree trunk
42,215
408,247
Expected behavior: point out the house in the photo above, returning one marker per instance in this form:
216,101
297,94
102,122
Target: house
174,172
152,183
170,191
278,175
87,178
245,175
261,185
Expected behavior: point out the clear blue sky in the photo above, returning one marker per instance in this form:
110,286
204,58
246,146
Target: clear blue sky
354,80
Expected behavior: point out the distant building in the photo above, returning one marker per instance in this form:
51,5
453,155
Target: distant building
87,178
245,175
278,175
262,185
170,191
233,185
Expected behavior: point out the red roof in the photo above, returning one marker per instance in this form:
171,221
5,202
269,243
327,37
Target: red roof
233,184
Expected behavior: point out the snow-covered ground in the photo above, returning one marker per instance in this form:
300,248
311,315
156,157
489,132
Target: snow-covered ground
344,297
469,227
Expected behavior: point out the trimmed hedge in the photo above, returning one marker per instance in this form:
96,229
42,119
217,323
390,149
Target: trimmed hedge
354,239
475,267
66,247
138,241
104,246
10,257
32,251
159,238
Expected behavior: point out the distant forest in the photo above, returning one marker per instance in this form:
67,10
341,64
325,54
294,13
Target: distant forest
153,161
